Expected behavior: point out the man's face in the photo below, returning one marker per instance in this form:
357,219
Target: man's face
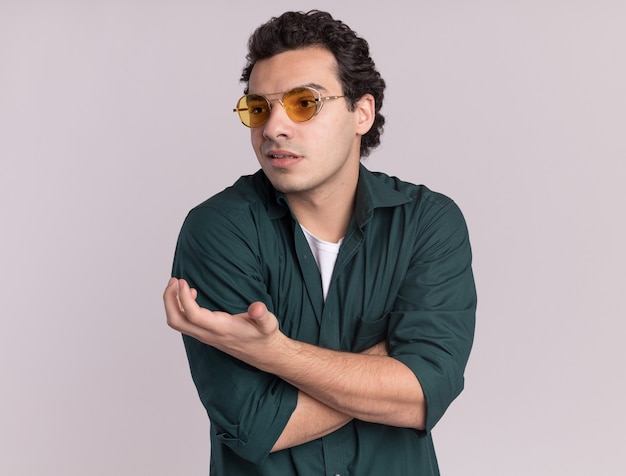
316,158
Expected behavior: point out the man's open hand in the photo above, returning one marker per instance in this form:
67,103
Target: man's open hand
243,336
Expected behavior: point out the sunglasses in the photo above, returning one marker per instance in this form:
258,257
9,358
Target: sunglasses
300,104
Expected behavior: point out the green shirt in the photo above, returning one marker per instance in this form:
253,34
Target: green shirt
403,273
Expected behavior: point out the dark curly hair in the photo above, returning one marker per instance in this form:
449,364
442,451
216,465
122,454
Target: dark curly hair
356,70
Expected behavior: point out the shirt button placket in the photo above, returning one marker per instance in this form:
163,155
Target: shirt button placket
333,454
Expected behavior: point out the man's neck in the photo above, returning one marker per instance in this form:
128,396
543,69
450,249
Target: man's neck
327,216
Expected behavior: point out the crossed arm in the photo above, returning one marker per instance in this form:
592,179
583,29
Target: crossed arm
334,387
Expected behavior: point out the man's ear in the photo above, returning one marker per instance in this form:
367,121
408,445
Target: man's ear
365,112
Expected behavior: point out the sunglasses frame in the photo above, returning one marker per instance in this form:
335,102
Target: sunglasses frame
318,98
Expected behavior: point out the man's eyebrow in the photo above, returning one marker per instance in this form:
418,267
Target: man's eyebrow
319,87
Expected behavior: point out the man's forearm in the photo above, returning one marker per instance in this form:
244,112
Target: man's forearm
373,388
310,420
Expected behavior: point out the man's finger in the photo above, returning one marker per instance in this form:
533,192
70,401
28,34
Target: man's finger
187,297
264,320
257,310
173,309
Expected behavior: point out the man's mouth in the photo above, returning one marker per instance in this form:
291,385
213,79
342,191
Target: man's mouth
281,156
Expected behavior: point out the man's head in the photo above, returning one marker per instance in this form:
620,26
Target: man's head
356,71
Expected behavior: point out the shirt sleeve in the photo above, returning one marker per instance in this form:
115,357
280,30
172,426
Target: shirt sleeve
217,253
431,327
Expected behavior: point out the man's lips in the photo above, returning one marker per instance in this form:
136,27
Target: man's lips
281,154
281,158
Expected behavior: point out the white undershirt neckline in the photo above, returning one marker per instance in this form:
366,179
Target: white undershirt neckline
325,254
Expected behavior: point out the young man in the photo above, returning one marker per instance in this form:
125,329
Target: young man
327,311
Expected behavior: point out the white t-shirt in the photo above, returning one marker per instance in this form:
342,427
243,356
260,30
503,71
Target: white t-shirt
325,254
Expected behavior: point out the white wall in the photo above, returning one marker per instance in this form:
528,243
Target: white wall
115,119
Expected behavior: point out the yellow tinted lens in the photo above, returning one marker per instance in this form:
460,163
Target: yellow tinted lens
300,104
253,110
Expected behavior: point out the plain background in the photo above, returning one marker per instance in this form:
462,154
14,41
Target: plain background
115,120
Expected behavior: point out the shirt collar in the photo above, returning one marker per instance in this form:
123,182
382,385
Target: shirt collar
374,190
